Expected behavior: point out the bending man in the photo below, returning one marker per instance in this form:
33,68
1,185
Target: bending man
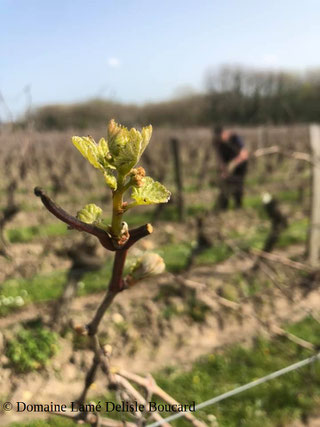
232,165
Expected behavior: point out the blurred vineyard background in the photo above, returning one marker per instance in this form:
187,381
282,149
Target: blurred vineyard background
226,311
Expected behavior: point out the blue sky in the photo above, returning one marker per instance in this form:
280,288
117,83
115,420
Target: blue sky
144,50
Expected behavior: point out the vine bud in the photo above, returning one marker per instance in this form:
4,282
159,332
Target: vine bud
150,264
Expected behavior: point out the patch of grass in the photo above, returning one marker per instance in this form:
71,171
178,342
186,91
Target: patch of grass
96,281
274,403
307,329
194,187
242,287
170,212
27,234
49,287
31,349
254,237
287,196
297,232
38,288
16,293
253,202
175,255
213,255
136,217
197,209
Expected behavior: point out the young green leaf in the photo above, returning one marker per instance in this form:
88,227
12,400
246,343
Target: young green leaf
98,155
150,192
87,148
90,214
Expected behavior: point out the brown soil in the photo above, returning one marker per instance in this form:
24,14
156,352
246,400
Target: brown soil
149,341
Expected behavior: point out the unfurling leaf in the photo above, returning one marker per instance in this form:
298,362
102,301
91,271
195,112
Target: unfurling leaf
150,192
87,148
110,179
90,214
121,151
146,136
98,155
126,146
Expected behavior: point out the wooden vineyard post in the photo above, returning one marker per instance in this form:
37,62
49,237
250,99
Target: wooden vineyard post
178,177
260,137
259,144
314,232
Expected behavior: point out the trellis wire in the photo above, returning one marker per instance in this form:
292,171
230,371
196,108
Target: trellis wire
241,388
